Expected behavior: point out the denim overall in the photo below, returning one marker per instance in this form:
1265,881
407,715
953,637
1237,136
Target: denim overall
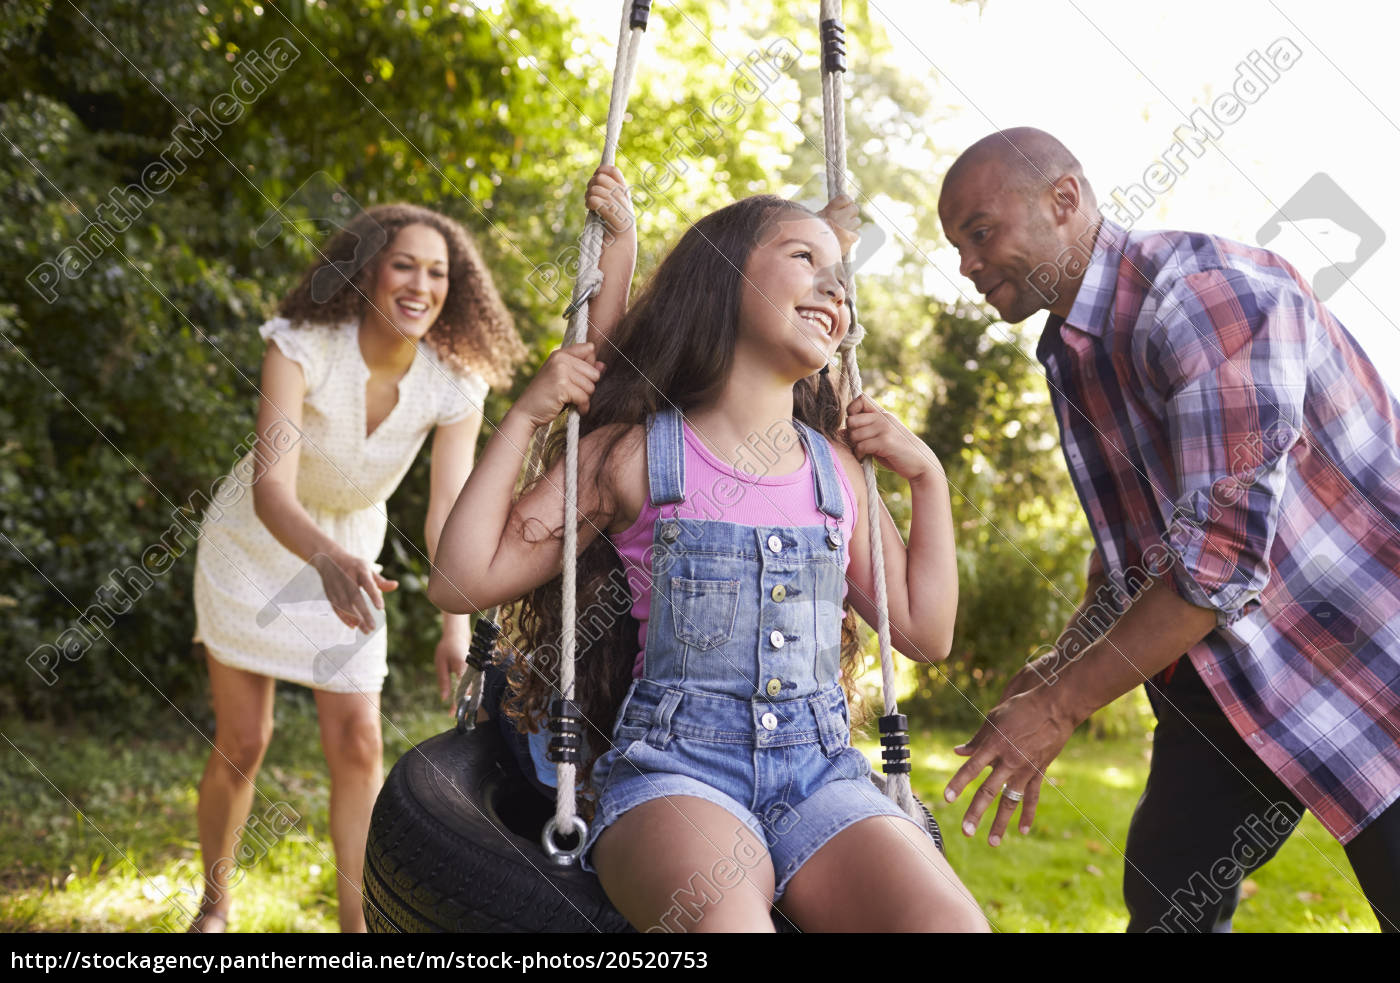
740,701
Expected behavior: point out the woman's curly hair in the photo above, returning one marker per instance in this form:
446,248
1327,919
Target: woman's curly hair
474,332
674,347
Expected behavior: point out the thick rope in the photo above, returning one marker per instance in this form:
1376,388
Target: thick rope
589,279
834,127
586,285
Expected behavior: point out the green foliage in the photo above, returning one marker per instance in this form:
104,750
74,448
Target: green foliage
131,390
110,405
1023,544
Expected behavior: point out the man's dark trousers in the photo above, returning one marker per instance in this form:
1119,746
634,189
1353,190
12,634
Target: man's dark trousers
1213,813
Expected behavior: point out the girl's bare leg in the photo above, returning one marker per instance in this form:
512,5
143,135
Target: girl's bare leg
888,877
684,864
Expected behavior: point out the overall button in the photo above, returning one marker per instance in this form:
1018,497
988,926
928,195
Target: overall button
775,686
833,539
775,544
669,532
769,721
779,593
776,638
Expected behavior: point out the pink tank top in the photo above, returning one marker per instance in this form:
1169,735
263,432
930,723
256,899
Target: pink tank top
758,500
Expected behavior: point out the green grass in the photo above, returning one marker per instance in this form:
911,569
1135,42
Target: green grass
98,834
1067,874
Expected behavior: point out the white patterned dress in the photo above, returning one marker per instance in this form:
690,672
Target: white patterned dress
258,606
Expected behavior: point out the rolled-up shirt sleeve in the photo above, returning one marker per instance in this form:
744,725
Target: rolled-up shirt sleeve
1229,365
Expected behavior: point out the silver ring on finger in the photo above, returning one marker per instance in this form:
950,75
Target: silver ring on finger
1011,795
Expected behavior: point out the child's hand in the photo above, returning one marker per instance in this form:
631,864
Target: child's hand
567,377
872,431
843,216
607,195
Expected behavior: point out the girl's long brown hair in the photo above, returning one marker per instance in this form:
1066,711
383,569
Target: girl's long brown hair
474,331
674,347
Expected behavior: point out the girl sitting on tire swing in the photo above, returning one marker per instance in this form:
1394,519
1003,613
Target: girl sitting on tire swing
713,475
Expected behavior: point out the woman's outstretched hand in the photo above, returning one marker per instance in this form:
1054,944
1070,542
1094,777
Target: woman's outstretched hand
567,377
450,661
347,580
843,216
874,432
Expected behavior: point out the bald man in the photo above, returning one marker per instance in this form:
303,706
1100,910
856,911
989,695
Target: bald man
1236,456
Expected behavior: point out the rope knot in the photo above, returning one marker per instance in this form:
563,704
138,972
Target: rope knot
586,287
853,338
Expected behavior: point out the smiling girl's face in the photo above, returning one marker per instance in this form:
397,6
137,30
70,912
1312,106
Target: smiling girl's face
410,285
792,312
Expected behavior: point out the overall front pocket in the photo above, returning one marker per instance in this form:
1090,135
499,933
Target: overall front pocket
703,611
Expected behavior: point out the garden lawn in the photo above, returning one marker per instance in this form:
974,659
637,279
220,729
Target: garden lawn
1067,874
98,834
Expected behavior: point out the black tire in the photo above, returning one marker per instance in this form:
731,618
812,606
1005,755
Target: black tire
454,847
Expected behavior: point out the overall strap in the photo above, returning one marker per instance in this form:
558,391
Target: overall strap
828,484
665,458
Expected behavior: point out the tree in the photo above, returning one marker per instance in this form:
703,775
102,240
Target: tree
129,361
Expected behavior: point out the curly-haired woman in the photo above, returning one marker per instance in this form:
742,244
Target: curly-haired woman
396,332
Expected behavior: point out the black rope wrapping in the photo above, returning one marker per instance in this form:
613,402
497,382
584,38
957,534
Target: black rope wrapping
833,46
484,636
894,738
566,730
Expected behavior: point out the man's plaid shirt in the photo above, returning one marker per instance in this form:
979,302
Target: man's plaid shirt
1220,423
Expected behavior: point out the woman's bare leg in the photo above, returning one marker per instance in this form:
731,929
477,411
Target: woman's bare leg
242,729
684,864
354,749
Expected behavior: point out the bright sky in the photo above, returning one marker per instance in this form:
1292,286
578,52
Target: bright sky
1114,80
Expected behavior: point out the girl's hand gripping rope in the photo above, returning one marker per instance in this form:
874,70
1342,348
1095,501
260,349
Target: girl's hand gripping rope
843,216
607,195
567,378
872,431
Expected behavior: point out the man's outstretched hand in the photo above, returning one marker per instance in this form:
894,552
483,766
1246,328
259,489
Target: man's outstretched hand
1023,733
1047,699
